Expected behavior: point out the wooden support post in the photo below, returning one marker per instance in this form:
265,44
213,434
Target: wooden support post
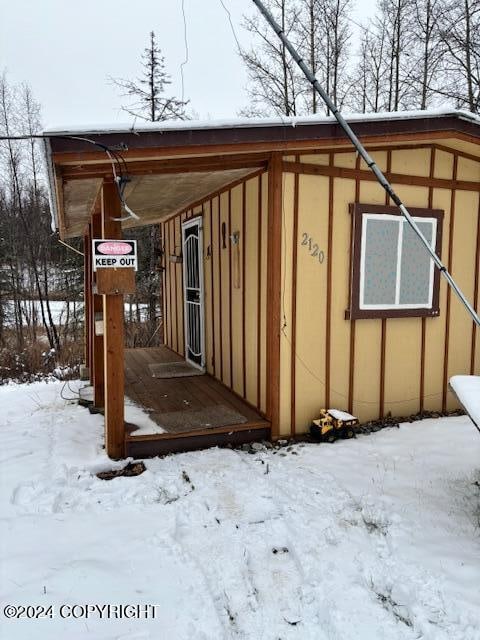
97,341
274,285
87,296
113,337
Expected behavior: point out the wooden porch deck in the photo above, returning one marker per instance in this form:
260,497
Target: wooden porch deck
185,399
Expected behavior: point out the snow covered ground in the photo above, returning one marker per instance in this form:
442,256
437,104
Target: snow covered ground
372,539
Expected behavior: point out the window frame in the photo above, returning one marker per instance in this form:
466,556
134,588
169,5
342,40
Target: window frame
355,311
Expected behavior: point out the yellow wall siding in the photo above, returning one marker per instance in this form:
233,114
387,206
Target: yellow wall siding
368,335
263,305
208,274
400,374
435,327
464,249
236,289
286,311
413,162
251,240
224,291
443,165
311,295
231,304
235,341
343,195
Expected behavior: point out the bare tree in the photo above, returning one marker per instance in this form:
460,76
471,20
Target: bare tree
428,49
151,104
275,84
460,34
148,91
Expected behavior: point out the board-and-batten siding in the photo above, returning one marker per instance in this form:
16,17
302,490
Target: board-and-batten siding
371,367
235,303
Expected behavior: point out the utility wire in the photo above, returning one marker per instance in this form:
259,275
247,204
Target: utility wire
119,165
231,25
366,157
187,55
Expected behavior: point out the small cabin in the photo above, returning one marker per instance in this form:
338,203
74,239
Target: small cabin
290,282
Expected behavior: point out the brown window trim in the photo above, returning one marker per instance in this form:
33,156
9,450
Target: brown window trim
354,312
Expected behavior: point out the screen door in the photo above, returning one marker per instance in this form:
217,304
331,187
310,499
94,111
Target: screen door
193,292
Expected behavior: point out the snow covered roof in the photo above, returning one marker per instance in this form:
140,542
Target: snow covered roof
244,123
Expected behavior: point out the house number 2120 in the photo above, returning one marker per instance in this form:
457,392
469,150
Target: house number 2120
313,248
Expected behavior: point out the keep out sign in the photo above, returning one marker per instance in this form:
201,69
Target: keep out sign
115,254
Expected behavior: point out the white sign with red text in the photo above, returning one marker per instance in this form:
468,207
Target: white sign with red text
114,254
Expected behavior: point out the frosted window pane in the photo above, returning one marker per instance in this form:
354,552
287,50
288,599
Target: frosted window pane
415,274
381,243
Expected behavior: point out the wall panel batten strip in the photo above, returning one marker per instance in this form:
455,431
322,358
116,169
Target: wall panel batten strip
274,252
449,291
383,340
175,287
243,281
475,293
351,369
259,291
230,288
219,228
424,320
212,288
293,353
328,310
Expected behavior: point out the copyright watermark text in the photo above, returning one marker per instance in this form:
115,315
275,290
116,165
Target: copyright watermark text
82,611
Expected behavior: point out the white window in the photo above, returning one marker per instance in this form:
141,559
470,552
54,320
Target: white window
396,272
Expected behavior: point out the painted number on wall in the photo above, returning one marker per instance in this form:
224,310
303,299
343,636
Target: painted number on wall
312,247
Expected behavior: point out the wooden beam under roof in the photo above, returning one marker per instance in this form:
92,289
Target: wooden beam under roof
150,167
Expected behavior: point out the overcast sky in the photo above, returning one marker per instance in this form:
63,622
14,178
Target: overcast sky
67,49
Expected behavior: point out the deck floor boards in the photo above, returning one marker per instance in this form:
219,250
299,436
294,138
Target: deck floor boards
167,395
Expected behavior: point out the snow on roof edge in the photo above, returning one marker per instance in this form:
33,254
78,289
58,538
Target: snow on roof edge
245,123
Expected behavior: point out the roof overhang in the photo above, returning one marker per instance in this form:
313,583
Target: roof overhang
172,165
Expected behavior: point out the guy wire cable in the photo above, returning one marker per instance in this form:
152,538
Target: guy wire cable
366,157
120,172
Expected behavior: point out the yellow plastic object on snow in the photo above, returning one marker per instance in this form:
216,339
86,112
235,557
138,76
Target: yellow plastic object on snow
333,424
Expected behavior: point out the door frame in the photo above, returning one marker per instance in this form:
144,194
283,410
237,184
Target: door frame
197,221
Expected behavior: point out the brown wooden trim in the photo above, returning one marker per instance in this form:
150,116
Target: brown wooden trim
218,192
457,152
351,369
169,274
449,291
230,287
243,283
396,178
182,291
383,349
97,361
475,293
113,336
212,286
387,146
383,340
248,139
205,164
328,309
274,288
175,287
371,148
220,304
176,443
424,320
259,291
354,311
293,345
87,288
245,426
